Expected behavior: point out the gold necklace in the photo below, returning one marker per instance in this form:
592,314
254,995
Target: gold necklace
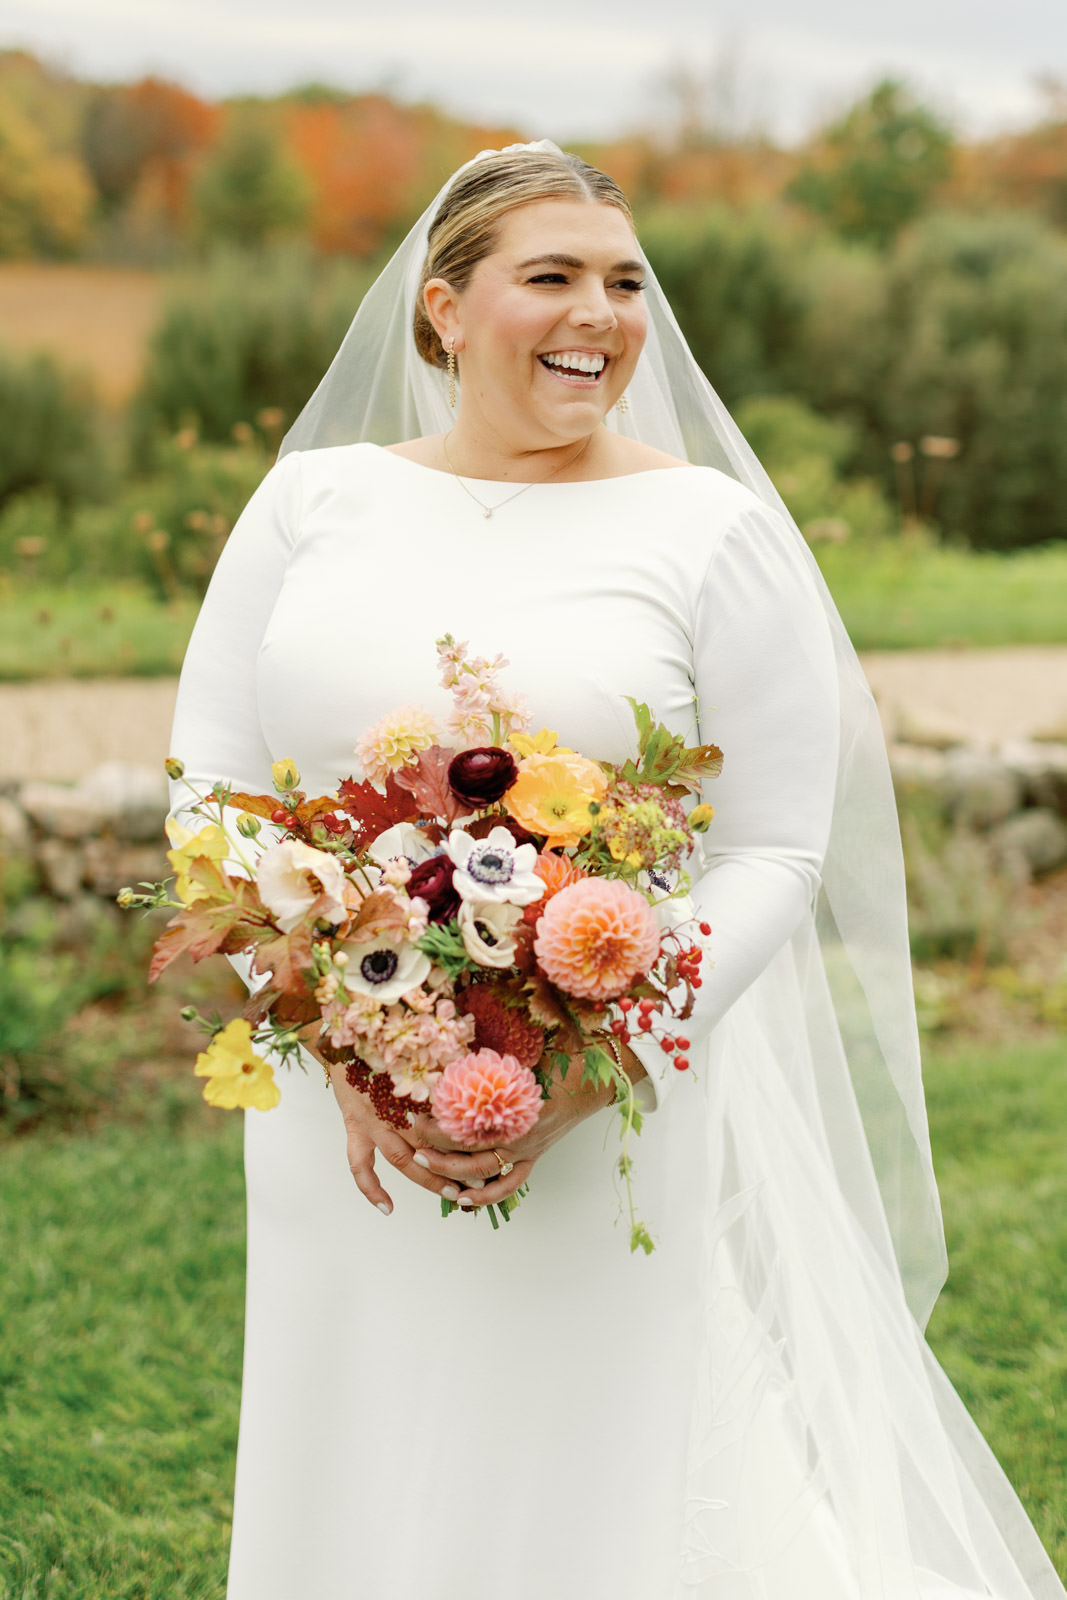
487,511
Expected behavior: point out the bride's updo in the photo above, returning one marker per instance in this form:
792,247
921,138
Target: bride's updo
467,224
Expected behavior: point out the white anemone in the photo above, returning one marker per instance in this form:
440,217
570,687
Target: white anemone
494,869
402,839
384,969
487,928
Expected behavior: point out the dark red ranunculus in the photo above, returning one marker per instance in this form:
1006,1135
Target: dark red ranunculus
431,880
481,827
480,777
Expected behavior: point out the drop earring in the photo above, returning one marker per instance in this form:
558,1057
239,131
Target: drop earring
622,404
450,353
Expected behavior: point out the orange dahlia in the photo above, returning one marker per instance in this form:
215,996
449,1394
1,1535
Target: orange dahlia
595,937
556,872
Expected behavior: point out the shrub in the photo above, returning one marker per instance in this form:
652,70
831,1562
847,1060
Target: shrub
165,529
804,453
251,334
732,282
956,336
49,438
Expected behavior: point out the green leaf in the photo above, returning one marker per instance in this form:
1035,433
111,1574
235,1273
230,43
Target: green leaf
641,1239
443,943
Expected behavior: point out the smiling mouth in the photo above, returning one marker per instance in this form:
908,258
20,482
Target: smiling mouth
585,371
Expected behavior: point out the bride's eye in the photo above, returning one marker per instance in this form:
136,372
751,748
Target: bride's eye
631,285
549,277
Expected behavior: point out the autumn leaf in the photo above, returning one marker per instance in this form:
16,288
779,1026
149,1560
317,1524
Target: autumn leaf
374,811
286,959
292,1010
210,926
427,780
381,912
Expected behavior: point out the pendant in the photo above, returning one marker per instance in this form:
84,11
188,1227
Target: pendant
488,513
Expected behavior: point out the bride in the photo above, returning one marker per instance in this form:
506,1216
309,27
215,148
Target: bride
514,445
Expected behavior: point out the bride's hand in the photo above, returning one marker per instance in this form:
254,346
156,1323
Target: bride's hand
568,1104
367,1133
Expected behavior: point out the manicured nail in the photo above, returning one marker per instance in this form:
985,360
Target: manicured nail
450,1191
384,1206
475,1183
466,1201
419,1159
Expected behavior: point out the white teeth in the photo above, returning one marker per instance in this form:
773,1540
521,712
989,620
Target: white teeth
572,361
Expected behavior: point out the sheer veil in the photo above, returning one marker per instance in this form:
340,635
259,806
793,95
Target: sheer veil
379,390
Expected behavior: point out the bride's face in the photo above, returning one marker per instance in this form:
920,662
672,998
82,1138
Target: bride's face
551,324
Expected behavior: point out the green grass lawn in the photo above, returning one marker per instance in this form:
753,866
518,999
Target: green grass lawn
109,631
121,1261
909,595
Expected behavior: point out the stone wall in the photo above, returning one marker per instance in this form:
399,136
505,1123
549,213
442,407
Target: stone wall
92,837
1012,794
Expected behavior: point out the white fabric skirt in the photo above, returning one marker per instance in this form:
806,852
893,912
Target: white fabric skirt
432,1409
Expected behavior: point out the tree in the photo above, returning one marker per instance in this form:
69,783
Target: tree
250,192
146,133
873,170
45,196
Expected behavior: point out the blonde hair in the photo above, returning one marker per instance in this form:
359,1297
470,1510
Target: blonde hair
467,225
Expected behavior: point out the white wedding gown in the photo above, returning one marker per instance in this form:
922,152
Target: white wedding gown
434,1410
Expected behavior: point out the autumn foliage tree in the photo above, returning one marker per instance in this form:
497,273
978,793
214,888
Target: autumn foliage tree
147,136
250,191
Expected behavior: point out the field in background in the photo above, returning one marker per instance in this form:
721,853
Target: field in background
96,318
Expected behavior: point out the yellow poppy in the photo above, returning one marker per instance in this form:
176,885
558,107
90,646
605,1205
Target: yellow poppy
210,841
552,797
236,1075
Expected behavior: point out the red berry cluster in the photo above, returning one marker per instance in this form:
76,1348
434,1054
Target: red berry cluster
379,1087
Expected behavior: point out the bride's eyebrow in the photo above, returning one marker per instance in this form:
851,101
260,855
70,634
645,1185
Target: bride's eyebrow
576,264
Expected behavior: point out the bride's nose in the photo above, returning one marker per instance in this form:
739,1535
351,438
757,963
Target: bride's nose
592,308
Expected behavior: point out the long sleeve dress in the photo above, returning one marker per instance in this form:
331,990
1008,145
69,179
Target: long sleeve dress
431,1408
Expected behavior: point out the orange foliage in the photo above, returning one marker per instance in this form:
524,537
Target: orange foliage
1027,170
374,164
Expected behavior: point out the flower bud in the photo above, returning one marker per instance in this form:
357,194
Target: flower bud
188,1013
248,825
174,768
125,898
700,818
285,775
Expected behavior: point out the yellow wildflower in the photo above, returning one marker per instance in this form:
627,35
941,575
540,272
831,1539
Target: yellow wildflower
236,1075
190,846
700,818
542,743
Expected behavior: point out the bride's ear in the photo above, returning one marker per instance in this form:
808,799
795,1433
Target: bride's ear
442,308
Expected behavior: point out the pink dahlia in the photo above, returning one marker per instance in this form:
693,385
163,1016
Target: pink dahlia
595,937
485,1098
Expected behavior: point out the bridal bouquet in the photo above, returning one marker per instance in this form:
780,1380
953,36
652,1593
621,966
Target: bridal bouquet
477,912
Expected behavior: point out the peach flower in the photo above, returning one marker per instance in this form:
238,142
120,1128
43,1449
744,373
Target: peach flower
486,1098
595,937
552,795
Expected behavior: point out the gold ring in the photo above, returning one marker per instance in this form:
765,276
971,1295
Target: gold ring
505,1166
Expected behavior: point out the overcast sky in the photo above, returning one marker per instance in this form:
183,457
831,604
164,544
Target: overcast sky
562,69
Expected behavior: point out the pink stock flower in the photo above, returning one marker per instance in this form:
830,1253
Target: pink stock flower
595,937
486,1098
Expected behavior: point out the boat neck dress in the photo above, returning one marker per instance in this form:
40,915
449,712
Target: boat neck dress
433,1409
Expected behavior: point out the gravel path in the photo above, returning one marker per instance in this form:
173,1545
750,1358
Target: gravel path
58,730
